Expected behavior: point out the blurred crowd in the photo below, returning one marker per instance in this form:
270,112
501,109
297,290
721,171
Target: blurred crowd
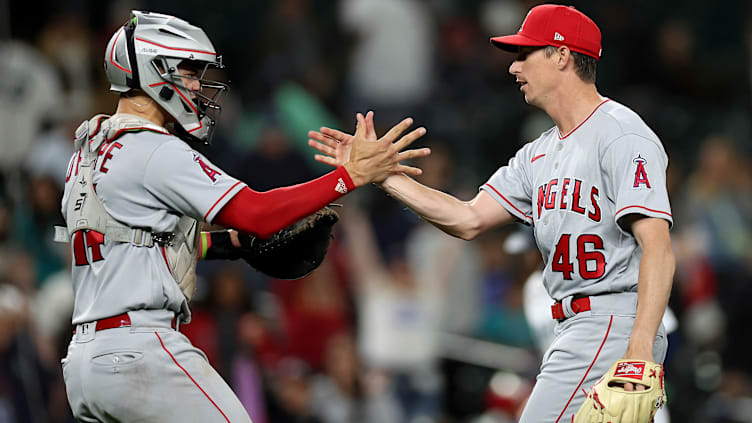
401,323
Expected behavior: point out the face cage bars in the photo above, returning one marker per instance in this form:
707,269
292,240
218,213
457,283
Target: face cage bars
206,105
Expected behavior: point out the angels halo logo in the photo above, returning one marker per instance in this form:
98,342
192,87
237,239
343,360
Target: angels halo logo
208,170
641,175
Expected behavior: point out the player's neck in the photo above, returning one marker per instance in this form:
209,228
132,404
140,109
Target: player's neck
142,106
573,106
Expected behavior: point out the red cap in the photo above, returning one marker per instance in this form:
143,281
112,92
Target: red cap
555,25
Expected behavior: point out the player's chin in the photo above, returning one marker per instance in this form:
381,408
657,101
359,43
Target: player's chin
530,99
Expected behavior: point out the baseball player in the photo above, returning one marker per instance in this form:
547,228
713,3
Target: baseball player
593,188
135,196
536,300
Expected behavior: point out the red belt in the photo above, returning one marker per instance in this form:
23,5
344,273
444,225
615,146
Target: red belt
578,305
119,321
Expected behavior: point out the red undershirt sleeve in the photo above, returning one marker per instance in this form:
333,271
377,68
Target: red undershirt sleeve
264,213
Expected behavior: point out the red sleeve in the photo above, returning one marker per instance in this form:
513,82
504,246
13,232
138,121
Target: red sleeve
264,213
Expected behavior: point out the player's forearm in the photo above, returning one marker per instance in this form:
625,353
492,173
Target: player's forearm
265,213
654,287
453,216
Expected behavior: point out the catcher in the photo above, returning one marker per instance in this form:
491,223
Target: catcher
593,187
135,198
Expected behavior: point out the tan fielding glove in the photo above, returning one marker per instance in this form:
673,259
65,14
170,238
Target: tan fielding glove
612,404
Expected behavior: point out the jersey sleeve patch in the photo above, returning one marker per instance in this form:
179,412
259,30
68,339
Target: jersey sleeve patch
635,175
186,182
641,175
208,170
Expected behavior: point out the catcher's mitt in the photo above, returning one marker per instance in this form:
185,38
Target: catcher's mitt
607,400
293,252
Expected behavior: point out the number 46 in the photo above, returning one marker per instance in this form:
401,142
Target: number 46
561,262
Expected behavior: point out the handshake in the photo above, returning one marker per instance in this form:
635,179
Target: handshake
366,158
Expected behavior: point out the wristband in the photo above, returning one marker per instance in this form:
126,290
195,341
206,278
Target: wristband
218,246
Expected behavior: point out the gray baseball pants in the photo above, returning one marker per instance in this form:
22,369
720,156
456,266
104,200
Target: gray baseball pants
585,347
147,372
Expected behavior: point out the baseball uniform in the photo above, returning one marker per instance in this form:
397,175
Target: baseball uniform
573,189
140,368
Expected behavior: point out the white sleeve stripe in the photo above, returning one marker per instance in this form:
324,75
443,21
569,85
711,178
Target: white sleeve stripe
206,216
645,208
510,203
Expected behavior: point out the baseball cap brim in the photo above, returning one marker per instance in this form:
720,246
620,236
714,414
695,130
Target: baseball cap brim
512,42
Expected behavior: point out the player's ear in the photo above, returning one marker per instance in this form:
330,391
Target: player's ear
563,57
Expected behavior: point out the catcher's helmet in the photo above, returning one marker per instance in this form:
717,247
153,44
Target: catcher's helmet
145,53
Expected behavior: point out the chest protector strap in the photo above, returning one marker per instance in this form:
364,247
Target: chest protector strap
84,210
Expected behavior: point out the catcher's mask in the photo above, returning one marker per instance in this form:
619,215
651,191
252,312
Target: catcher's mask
157,54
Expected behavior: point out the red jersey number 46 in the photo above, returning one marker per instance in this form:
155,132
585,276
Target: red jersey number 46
591,263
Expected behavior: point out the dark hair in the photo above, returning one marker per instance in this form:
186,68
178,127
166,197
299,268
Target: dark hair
585,66
131,93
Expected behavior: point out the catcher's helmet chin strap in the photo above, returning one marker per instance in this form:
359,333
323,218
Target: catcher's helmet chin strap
133,81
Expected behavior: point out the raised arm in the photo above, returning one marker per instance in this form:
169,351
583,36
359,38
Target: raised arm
462,219
366,261
369,161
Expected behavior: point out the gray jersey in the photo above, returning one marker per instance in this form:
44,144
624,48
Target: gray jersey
147,180
574,189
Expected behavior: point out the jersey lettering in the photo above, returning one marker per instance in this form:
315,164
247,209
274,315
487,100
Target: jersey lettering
108,155
641,176
83,239
74,163
78,161
211,173
70,169
547,198
560,262
541,198
576,197
583,257
551,196
564,186
595,215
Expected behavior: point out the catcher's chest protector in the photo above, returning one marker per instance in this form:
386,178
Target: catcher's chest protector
86,212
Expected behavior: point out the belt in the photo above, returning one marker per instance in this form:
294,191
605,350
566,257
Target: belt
569,306
120,321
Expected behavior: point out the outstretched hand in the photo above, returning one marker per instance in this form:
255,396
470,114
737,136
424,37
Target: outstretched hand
366,158
335,145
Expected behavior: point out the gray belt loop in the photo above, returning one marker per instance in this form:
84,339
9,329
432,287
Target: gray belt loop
85,332
566,307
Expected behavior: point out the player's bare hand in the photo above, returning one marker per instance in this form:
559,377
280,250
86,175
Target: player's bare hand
335,145
629,387
373,161
234,239
637,351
